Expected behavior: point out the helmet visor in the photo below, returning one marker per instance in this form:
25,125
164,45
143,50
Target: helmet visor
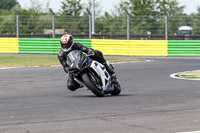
66,45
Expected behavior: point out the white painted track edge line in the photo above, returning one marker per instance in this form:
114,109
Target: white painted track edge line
175,77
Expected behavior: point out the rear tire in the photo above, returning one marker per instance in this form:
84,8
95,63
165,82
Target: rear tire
117,89
90,85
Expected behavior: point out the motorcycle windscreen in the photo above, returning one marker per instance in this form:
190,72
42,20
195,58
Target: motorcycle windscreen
75,59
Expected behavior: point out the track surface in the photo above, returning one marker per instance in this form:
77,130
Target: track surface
35,100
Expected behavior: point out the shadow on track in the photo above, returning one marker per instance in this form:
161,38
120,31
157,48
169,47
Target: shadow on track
106,96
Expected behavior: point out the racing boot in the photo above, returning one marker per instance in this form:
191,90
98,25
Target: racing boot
110,71
72,84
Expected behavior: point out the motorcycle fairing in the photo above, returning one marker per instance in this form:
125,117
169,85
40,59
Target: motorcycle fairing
103,74
76,59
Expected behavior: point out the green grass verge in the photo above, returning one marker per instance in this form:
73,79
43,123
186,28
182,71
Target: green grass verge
13,61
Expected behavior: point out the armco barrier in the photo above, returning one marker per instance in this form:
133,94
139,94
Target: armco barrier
38,45
184,48
108,47
85,42
131,47
9,45
45,46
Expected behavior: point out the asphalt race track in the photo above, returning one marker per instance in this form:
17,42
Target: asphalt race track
36,100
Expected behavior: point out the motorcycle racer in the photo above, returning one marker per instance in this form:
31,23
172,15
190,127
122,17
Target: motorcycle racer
67,45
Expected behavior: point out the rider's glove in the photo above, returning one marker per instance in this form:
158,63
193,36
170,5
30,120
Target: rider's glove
90,52
65,69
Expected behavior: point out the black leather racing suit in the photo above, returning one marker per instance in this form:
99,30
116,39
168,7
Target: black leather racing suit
98,56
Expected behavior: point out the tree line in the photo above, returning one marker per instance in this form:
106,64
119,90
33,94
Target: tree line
146,16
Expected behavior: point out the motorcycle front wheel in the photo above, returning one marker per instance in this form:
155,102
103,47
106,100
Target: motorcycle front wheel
91,82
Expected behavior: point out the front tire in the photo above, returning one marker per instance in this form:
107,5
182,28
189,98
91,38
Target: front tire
92,86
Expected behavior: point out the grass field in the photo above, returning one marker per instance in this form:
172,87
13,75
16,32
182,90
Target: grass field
13,61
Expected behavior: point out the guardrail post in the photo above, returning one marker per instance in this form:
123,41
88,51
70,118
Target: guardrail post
128,24
53,23
93,17
17,23
90,24
166,24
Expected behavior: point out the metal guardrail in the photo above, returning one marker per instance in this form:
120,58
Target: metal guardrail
108,47
131,47
9,45
35,45
184,48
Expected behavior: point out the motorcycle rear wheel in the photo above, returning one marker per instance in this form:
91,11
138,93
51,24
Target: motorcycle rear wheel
91,85
117,89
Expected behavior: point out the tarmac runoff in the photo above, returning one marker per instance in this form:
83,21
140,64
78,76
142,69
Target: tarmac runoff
187,75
